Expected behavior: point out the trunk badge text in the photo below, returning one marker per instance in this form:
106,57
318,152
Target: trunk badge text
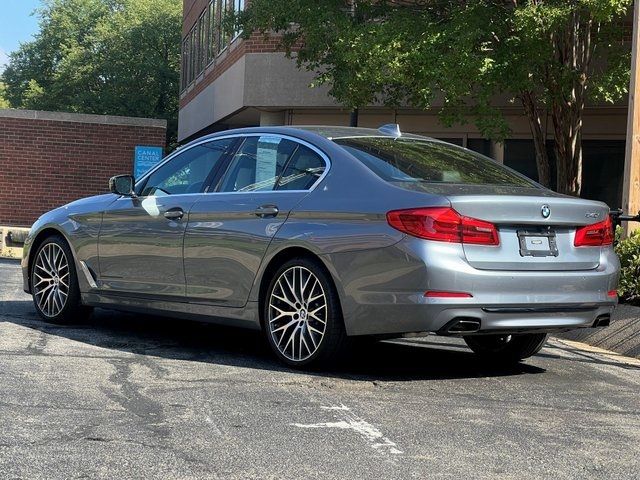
592,215
545,211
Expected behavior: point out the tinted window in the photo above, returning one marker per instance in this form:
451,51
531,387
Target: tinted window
603,171
257,164
304,169
188,171
405,160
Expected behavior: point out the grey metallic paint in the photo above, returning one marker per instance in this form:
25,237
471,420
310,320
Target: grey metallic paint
211,264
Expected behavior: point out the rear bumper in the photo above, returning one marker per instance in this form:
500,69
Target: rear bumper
383,292
466,321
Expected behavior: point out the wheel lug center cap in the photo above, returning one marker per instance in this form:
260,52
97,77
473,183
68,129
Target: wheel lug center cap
303,314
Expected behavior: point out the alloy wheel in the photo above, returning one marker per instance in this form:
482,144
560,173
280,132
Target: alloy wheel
51,279
297,313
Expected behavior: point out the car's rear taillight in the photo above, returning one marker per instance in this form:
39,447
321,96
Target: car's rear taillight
443,224
596,235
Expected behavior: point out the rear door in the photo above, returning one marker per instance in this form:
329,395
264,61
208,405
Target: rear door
230,229
536,233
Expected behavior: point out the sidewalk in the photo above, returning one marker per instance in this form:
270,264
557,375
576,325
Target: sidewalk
622,336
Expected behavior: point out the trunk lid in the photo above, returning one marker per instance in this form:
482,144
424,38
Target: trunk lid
536,232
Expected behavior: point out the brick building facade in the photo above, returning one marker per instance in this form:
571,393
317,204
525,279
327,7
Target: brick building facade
48,159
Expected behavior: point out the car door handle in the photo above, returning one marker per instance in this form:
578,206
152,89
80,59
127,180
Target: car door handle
174,213
266,211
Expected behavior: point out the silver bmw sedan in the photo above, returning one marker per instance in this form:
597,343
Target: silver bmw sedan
315,235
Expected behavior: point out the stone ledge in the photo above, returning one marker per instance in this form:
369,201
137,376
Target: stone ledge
82,118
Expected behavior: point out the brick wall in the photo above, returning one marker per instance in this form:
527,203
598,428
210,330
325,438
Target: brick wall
49,159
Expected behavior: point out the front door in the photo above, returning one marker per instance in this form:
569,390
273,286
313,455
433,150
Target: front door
230,229
141,238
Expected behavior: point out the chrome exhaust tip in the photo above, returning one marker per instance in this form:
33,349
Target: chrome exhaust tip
462,325
602,321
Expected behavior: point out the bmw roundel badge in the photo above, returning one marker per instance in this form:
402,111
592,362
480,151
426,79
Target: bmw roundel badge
545,211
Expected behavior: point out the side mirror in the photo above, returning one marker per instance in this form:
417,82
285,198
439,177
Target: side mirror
122,185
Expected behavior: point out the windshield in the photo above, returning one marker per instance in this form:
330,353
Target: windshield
406,160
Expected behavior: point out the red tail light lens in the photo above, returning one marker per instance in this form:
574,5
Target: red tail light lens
443,224
596,235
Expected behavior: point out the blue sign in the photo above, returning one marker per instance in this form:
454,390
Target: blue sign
145,159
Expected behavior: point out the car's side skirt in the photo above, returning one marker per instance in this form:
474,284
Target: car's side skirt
245,317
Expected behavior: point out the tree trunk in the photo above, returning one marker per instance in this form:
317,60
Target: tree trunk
539,138
573,52
567,124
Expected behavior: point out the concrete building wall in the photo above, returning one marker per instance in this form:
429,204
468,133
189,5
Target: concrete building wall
48,159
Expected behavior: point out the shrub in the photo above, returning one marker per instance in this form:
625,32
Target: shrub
628,250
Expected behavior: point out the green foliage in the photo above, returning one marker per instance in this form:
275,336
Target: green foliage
455,55
628,250
112,57
4,103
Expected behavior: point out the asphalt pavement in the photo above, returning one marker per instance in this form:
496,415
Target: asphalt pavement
133,396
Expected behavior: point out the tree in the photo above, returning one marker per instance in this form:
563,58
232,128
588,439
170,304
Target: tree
110,57
4,103
548,56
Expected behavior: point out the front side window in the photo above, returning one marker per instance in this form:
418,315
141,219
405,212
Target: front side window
188,171
406,160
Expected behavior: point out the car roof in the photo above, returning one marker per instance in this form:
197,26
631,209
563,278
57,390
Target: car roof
338,132
309,131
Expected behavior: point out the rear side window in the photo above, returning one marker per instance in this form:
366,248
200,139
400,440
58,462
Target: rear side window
406,160
257,164
303,170
270,162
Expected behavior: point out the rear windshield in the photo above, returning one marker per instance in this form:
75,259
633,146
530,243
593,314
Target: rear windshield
405,160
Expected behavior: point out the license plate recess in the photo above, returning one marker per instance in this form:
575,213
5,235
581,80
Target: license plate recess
537,243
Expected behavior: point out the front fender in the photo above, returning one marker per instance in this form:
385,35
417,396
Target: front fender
79,224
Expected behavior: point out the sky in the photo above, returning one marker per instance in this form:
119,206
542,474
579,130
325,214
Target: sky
16,25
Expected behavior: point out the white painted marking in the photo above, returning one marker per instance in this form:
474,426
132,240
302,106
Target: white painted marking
212,425
351,421
341,407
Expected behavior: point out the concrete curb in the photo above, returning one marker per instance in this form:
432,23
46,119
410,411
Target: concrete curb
634,362
622,336
8,249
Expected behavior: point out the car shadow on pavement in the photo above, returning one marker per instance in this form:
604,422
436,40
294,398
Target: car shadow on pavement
431,358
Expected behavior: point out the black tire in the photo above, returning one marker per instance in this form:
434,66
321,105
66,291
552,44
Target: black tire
506,348
332,345
72,310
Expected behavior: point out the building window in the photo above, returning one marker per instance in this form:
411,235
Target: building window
206,39
184,82
194,55
603,171
222,36
480,145
212,40
238,6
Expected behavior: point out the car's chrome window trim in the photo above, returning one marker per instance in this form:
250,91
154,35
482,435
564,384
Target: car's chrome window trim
315,149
